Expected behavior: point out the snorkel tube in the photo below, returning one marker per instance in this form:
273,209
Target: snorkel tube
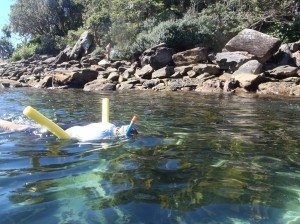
133,120
46,122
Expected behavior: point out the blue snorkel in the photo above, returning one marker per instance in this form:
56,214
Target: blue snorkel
129,129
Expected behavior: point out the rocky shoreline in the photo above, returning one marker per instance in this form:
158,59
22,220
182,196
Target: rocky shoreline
250,62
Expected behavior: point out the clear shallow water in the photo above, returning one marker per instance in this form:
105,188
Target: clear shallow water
197,159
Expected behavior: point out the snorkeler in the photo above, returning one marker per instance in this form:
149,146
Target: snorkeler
93,131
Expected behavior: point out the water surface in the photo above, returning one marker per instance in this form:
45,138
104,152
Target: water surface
197,159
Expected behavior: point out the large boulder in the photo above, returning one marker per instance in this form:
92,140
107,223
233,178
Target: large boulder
261,45
73,79
192,56
279,88
158,56
231,61
83,46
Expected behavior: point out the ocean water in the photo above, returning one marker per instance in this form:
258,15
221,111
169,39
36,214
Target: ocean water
197,159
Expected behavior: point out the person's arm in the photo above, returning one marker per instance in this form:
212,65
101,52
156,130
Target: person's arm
10,126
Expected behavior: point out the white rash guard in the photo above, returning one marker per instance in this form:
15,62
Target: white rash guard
94,131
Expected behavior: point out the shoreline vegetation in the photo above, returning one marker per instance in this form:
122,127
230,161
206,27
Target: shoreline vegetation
203,46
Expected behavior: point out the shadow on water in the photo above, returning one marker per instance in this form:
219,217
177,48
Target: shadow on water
197,159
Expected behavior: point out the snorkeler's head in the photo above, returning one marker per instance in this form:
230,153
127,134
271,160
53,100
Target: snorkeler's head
122,131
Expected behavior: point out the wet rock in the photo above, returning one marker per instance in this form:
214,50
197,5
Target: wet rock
279,88
282,72
163,73
192,56
46,82
158,56
261,45
145,72
252,67
6,83
100,85
74,79
232,60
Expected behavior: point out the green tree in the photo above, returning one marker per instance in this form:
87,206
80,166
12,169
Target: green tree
39,17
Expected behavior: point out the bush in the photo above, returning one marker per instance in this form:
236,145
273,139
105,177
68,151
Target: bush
211,28
52,45
73,36
24,52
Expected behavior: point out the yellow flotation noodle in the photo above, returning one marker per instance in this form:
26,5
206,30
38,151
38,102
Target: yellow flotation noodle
105,110
46,122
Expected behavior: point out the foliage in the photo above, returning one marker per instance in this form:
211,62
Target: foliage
47,44
132,25
40,17
24,52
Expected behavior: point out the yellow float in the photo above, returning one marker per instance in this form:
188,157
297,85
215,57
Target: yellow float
105,110
46,122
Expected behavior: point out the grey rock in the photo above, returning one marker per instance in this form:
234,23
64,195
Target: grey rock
261,45
83,46
279,88
207,68
252,67
148,84
296,58
158,56
232,60
282,72
183,70
145,72
192,56
294,46
113,76
249,81
100,85
163,73
126,86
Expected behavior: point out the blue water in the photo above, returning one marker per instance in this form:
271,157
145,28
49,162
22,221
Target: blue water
197,159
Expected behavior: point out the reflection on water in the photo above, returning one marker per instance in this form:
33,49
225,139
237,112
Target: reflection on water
197,159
